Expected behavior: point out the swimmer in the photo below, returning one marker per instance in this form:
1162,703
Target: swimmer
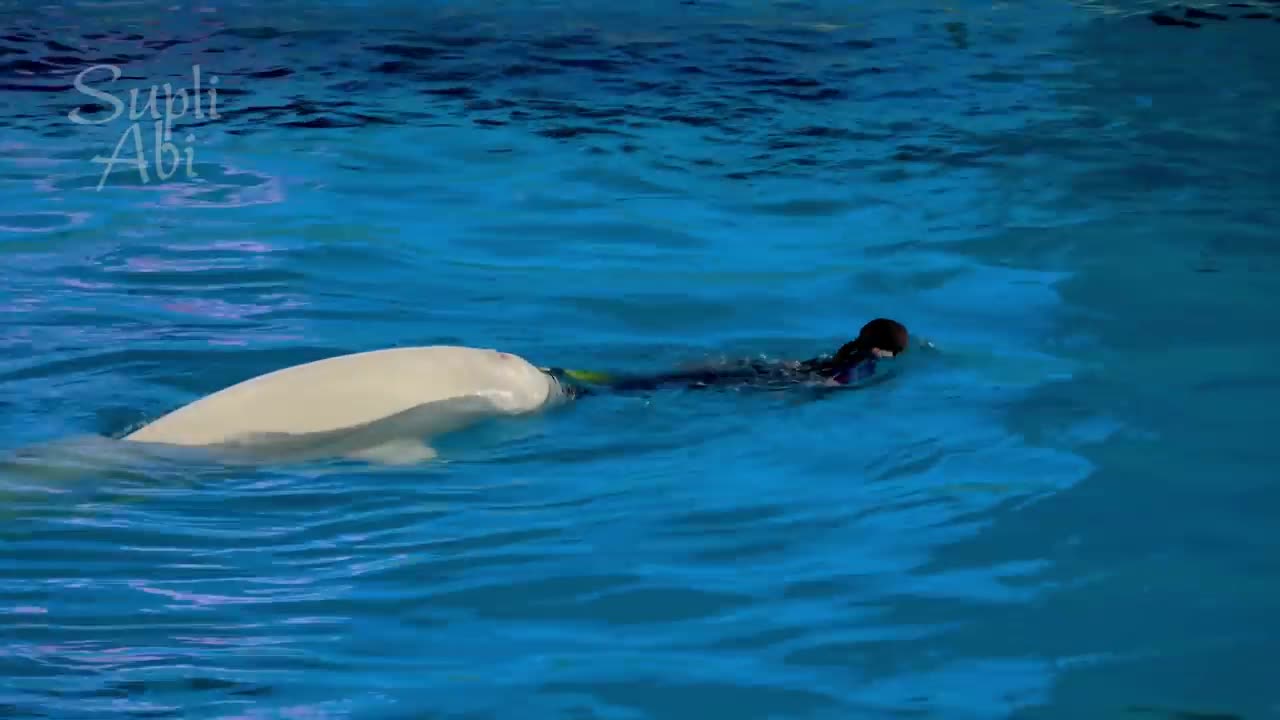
853,363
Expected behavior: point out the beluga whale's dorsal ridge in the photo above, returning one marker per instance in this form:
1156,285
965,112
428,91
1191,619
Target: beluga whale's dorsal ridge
366,404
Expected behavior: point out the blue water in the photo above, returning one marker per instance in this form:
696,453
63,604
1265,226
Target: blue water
1066,511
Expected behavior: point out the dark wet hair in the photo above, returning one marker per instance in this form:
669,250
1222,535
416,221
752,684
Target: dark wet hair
882,333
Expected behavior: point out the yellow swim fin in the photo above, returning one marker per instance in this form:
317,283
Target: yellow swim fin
587,376
590,376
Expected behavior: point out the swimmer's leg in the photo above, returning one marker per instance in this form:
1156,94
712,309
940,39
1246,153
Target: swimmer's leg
575,382
581,382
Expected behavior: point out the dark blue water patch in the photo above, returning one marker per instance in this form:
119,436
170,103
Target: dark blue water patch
313,114
253,33
477,79
1195,18
278,72
943,156
567,132
1165,20
1197,14
457,91
395,67
449,76
408,52
32,67
18,712
46,88
165,44
526,70
599,65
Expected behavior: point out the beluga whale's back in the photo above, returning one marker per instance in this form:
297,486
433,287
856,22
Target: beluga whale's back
375,404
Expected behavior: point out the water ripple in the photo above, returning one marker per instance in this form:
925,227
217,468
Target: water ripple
629,189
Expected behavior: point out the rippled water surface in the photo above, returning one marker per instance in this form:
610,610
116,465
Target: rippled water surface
1067,511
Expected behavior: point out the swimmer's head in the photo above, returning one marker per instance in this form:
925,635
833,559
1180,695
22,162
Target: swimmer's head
883,337
880,338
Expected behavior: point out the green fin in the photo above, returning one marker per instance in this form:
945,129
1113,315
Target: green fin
589,376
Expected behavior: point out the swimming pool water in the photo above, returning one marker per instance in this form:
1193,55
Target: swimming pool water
1064,512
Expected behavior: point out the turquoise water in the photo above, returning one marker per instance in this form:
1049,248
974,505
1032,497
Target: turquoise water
1064,512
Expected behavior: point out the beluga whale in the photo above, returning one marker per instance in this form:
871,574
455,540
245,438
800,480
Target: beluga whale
381,405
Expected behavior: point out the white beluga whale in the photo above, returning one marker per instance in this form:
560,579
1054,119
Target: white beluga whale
380,406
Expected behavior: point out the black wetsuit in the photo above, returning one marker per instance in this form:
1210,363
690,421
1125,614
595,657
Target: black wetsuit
754,374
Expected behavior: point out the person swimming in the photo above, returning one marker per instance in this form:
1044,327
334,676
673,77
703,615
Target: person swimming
853,363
